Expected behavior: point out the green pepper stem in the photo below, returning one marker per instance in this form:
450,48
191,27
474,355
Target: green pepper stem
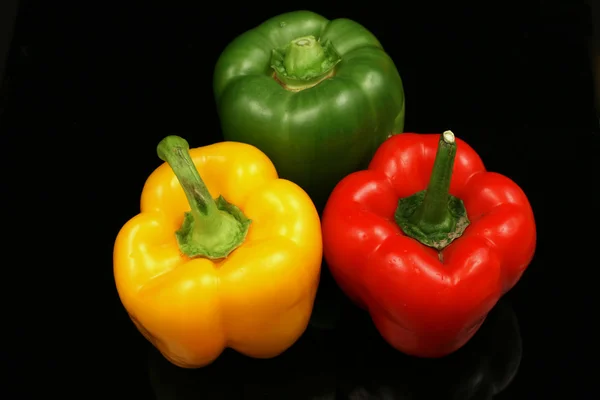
304,57
433,216
304,63
211,229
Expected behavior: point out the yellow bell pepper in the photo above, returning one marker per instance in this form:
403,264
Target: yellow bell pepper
197,275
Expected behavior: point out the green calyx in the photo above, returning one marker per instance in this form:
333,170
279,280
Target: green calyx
304,62
433,216
212,228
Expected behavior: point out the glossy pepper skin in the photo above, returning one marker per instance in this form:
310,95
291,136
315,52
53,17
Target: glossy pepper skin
256,293
424,301
317,96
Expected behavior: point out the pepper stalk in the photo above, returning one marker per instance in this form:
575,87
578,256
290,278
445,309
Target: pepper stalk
212,228
433,216
304,63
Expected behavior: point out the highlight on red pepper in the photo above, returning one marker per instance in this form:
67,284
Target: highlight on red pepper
427,241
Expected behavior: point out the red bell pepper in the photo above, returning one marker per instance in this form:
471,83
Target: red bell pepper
427,241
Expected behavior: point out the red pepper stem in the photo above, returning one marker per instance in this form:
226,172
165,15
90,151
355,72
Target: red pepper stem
212,228
434,212
433,216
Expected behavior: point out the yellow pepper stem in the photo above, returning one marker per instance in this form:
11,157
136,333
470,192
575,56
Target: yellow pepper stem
212,228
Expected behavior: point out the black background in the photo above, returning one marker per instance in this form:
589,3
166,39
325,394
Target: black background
90,89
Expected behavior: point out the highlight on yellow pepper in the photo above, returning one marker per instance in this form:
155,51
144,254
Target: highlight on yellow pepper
223,254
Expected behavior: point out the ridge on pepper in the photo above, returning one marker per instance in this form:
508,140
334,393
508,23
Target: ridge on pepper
222,254
427,241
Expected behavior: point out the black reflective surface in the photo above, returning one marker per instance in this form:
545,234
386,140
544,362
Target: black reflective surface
90,90
351,361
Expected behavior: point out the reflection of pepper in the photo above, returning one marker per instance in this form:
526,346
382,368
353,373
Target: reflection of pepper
305,371
481,369
317,96
234,277
429,266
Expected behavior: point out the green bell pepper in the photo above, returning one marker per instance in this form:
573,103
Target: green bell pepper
317,96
